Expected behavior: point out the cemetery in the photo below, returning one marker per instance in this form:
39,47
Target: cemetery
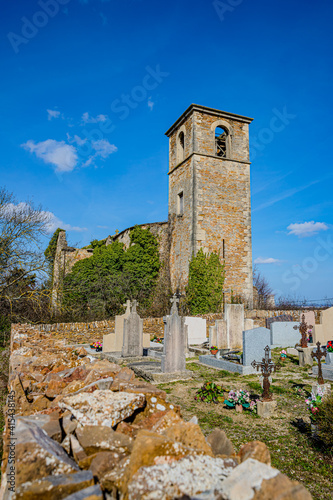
256,408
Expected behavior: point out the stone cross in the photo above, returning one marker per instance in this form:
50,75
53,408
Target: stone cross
174,301
134,306
128,306
303,328
267,367
319,354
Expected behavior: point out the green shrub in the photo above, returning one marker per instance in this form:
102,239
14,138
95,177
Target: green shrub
210,393
204,293
325,421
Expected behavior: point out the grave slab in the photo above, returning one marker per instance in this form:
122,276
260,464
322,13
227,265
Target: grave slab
254,343
326,369
234,317
283,334
152,372
223,364
274,319
324,331
196,328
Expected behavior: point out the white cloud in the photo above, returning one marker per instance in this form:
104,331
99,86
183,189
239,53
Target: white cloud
307,228
104,148
76,139
268,260
52,114
150,104
54,222
86,118
58,153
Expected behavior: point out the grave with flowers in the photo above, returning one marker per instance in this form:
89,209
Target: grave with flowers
241,399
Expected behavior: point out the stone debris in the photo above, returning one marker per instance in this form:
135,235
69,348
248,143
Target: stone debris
81,421
171,480
102,407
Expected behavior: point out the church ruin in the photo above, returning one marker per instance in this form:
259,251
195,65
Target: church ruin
209,202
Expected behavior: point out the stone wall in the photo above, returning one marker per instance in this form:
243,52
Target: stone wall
81,428
85,333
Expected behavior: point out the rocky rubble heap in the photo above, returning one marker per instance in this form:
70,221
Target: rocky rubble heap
88,429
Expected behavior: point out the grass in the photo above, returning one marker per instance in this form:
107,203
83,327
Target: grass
287,434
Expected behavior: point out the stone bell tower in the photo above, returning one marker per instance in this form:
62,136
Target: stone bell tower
209,195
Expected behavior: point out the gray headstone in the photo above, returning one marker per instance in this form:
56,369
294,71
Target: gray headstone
283,317
284,335
133,335
175,342
254,343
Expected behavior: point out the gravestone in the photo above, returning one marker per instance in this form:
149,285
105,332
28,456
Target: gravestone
248,324
133,334
175,342
254,343
234,317
324,331
196,328
218,334
113,342
283,334
275,319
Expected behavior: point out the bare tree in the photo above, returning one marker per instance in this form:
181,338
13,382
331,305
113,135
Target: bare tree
263,288
22,263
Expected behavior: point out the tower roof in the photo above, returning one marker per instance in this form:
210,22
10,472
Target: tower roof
210,111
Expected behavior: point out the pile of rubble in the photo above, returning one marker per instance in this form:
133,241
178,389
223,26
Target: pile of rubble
78,428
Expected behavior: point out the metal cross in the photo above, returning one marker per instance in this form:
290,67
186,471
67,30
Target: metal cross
267,367
319,354
303,328
174,301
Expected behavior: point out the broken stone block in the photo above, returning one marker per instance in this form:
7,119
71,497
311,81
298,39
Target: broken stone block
102,407
95,439
38,455
91,493
151,448
49,423
256,450
190,435
55,487
104,462
187,476
220,444
257,480
77,450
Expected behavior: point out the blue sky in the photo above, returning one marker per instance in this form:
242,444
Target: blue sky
90,87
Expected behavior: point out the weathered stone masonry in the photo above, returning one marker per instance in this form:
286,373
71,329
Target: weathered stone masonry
215,191
209,203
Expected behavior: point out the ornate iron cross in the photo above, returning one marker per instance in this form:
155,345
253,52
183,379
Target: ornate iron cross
303,328
319,354
267,368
